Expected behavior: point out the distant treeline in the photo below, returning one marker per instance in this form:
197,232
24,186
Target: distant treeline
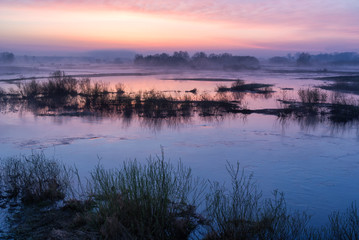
343,58
199,60
6,57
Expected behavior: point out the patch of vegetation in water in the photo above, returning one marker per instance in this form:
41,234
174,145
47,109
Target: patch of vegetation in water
344,78
345,87
314,102
240,86
345,84
207,79
63,95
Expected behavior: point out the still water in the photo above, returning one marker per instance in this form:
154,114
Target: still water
314,162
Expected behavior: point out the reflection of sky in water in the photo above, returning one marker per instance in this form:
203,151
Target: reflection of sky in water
160,79
317,170
315,164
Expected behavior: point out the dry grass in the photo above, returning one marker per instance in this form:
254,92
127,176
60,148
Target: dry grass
240,213
152,201
35,178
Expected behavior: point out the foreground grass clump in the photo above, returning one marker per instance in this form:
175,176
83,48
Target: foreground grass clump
240,213
344,225
152,201
34,178
156,200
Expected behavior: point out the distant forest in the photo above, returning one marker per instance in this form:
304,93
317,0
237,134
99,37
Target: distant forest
303,59
182,59
199,60
6,57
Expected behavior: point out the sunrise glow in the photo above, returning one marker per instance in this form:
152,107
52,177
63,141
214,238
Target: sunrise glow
270,25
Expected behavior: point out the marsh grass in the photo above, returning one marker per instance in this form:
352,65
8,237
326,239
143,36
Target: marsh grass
316,106
65,95
60,85
241,86
343,109
156,200
2,93
35,178
312,96
347,87
240,213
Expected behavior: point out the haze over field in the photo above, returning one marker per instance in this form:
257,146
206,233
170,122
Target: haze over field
259,27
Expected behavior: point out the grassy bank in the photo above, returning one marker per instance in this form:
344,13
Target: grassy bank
154,200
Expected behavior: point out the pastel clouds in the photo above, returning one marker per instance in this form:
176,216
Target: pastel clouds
228,24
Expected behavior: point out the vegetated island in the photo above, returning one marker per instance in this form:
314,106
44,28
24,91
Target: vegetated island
64,95
346,83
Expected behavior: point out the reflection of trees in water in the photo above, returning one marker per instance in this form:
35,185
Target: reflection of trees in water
239,96
155,111
311,123
157,124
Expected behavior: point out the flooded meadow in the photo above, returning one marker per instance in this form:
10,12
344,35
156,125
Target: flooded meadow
204,118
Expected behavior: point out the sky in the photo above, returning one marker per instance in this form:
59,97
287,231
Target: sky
247,26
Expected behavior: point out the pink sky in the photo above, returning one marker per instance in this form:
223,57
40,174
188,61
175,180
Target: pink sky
142,25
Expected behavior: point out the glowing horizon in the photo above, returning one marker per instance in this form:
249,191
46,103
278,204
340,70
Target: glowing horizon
271,25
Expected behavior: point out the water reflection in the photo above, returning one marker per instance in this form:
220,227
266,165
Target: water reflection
158,113
311,123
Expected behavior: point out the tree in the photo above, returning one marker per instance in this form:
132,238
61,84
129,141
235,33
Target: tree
7,57
303,59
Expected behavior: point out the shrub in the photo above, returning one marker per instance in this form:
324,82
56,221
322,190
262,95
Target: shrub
35,178
120,88
344,225
151,201
312,96
240,214
29,89
2,92
85,86
343,109
59,84
99,88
